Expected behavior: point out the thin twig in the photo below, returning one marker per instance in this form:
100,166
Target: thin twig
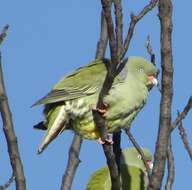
73,162
170,167
138,148
183,114
184,138
3,33
8,129
134,20
8,183
150,50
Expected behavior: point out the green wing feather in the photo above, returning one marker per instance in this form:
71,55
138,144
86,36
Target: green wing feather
99,180
84,81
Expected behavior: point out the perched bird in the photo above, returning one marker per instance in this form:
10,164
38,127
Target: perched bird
69,104
133,172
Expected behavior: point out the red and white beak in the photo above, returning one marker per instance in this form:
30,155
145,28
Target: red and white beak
150,164
153,80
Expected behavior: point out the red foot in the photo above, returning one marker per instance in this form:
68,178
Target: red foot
108,140
100,141
101,111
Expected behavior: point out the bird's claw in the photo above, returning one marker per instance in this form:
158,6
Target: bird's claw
108,140
102,111
100,141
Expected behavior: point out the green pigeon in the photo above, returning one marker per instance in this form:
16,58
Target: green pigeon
70,103
133,173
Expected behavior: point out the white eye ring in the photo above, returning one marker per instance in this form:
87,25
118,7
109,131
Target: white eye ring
141,70
139,157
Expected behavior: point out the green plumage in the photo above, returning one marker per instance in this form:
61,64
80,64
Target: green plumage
73,98
133,173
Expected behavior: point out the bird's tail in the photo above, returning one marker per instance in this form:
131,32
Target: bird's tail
40,126
56,121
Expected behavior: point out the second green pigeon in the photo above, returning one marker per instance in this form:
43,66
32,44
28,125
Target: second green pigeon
133,172
70,103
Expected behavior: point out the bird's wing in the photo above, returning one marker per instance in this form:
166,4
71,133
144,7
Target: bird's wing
133,178
84,81
99,180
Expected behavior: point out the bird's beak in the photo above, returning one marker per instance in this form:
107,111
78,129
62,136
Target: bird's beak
153,80
150,164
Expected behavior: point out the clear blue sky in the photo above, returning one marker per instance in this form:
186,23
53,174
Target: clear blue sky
48,39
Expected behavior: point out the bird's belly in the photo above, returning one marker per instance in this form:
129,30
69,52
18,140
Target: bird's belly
119,115
86,127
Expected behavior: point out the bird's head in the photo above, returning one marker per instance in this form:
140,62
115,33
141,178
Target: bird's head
130,156
142,70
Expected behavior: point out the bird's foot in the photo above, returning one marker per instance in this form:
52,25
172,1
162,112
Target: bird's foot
102,111
108,140
100,141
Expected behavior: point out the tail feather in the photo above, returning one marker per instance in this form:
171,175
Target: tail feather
48,139
57,121
40,126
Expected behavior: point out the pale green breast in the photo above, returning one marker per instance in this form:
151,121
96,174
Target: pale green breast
125,101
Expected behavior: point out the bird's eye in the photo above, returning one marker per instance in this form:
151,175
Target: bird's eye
141,70
139,157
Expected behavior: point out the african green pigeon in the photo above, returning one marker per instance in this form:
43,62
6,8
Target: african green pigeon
69,104
133,173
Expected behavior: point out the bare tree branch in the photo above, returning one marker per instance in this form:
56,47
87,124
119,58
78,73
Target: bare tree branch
119,27
117,148
165,16
183,114
170,167
103,39
98,118
73,162
184,138
106,5
111,162
134,20
8,129
138,148
8,183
